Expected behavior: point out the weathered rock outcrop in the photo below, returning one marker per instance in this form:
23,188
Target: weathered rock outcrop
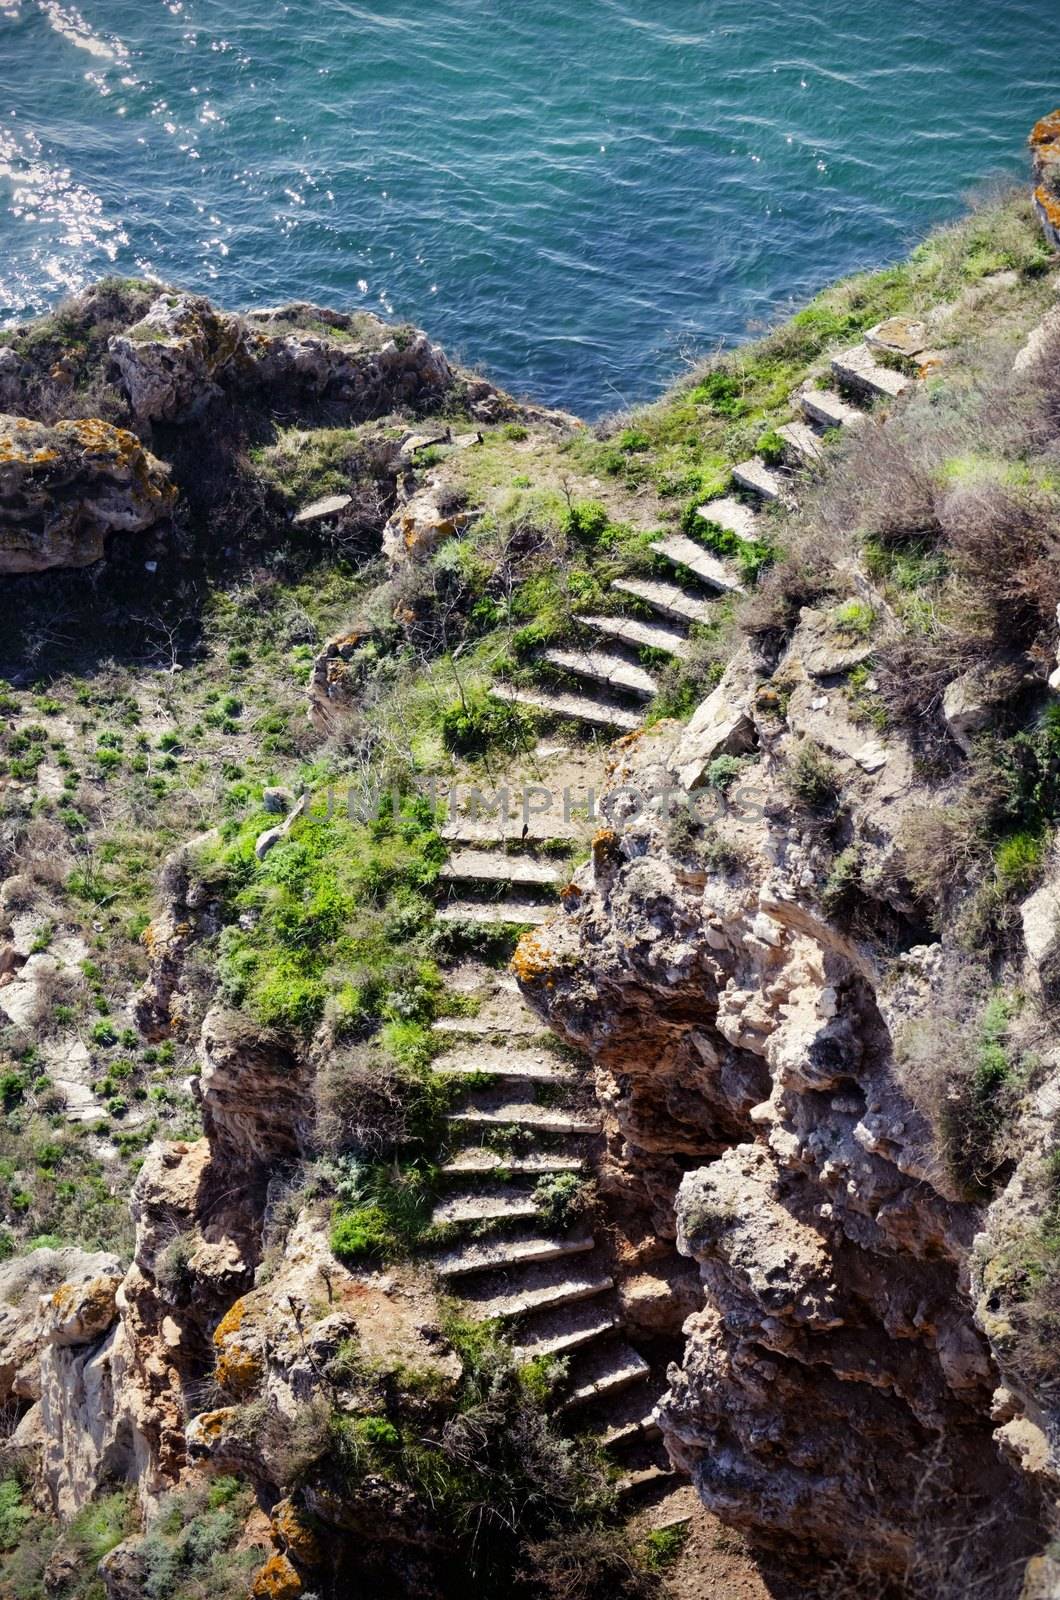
65,489
184,353
744,1042
171,362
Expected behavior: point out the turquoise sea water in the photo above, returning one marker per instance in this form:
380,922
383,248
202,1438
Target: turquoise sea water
572,194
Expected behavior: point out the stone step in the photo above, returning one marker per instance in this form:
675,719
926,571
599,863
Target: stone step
825,408
604,1371
803,444
732,515
532,1066
610,671
635,633
522,1114
535,1163
483,1027
643,1478
509,830
486,866
684,552
485,1205
757,478
567,1328
579,707
627,1417
666,598
534,1289
858,369
492,912
899,336
491,1255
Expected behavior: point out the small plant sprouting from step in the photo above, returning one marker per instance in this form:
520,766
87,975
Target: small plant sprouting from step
563,1198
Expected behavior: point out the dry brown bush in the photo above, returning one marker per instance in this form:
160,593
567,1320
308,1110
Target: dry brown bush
362,1103
596,1564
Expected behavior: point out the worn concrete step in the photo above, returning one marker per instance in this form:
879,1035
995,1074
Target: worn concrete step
685,552
488,866
899,336
604,1371
491,1255
757,478
638,1424
635,633
858,369
802,443
498,830
825,408
666,598
579,707
521,1113
732,515
523,1024
537,1163
533,1289
559,1331
610,671
485,1205
491,912
626,1417
532,1066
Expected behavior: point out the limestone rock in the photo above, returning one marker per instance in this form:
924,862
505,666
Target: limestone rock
1045,149
170,363
743,1045
64,489
64,1297
332,692
422,523
722,725
257,1105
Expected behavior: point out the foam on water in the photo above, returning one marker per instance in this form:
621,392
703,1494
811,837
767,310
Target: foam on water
572,197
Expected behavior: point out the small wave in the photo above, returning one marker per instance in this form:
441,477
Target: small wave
68,22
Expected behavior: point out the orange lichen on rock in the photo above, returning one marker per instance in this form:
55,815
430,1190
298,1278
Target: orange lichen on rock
277,1580
531,959
295,1533
605,847
231,1322
238,1369
1046,132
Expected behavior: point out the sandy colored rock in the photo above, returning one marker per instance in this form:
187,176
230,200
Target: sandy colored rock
65,489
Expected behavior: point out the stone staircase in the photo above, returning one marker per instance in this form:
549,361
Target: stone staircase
525,1115
603,680
528,1115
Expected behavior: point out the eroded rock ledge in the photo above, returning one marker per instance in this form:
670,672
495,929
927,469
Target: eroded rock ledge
838,1395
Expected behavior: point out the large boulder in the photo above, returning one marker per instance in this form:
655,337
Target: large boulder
64,488
171,360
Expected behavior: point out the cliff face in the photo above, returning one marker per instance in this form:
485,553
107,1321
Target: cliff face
838,1393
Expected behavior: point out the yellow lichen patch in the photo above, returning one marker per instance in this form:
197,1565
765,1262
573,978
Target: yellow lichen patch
531,959
605,847
1049,205
231,1322
294,1532
63,1298
209,1425
238,1369
277,1580
1046,132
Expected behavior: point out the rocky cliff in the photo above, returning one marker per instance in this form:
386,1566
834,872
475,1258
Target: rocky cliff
811,953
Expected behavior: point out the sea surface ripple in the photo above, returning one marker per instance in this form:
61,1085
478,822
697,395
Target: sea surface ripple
573,197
